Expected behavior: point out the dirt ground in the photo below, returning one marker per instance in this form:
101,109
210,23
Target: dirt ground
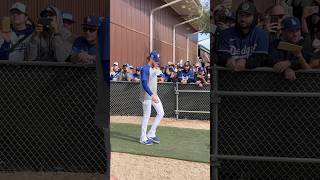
136,167
193,124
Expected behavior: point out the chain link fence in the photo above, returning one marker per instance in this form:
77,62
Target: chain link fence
47,119
124,100
265,127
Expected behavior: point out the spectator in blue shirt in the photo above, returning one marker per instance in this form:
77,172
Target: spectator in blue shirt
84,48
244,46
136,75
186,75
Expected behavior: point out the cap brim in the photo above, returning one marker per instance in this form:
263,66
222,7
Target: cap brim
71,21
17,10
246,12
90,25
292,29
155,59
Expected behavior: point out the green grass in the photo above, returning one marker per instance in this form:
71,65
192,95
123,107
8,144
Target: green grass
176,143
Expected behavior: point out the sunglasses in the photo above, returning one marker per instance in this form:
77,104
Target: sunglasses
49,14
89,29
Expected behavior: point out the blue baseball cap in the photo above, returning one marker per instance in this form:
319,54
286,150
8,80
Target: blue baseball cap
290,23
155,56
93,21
138,68
200,69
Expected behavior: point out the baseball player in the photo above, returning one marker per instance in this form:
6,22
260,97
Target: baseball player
148,97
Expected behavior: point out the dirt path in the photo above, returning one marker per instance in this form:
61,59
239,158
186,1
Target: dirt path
194,124
136,167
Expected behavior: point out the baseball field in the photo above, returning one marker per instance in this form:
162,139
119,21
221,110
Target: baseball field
182,154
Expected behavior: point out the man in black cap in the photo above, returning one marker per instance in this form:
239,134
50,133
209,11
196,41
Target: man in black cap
244,46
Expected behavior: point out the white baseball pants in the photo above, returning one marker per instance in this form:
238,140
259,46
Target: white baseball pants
146,116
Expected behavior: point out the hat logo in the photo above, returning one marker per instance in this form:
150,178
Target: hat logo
88,19
245,7
293,22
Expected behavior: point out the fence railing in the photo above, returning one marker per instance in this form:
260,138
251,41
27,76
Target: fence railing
124,100
178,92
48,119
265,127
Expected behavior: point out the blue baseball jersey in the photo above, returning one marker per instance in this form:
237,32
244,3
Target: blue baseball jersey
148,82
240,46
186,75
135,75
82,45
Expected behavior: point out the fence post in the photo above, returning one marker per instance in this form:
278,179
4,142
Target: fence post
214,124
177,100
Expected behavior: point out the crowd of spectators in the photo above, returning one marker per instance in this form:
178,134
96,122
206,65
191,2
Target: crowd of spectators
181,72
277,38
49,38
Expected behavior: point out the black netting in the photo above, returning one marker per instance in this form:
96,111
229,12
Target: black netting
267,126
48,119
124,100
267,81
264,170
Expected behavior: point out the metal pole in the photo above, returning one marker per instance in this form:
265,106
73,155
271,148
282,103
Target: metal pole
268,94
174,34
188,38
215,124
151,20
177,100
270,159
